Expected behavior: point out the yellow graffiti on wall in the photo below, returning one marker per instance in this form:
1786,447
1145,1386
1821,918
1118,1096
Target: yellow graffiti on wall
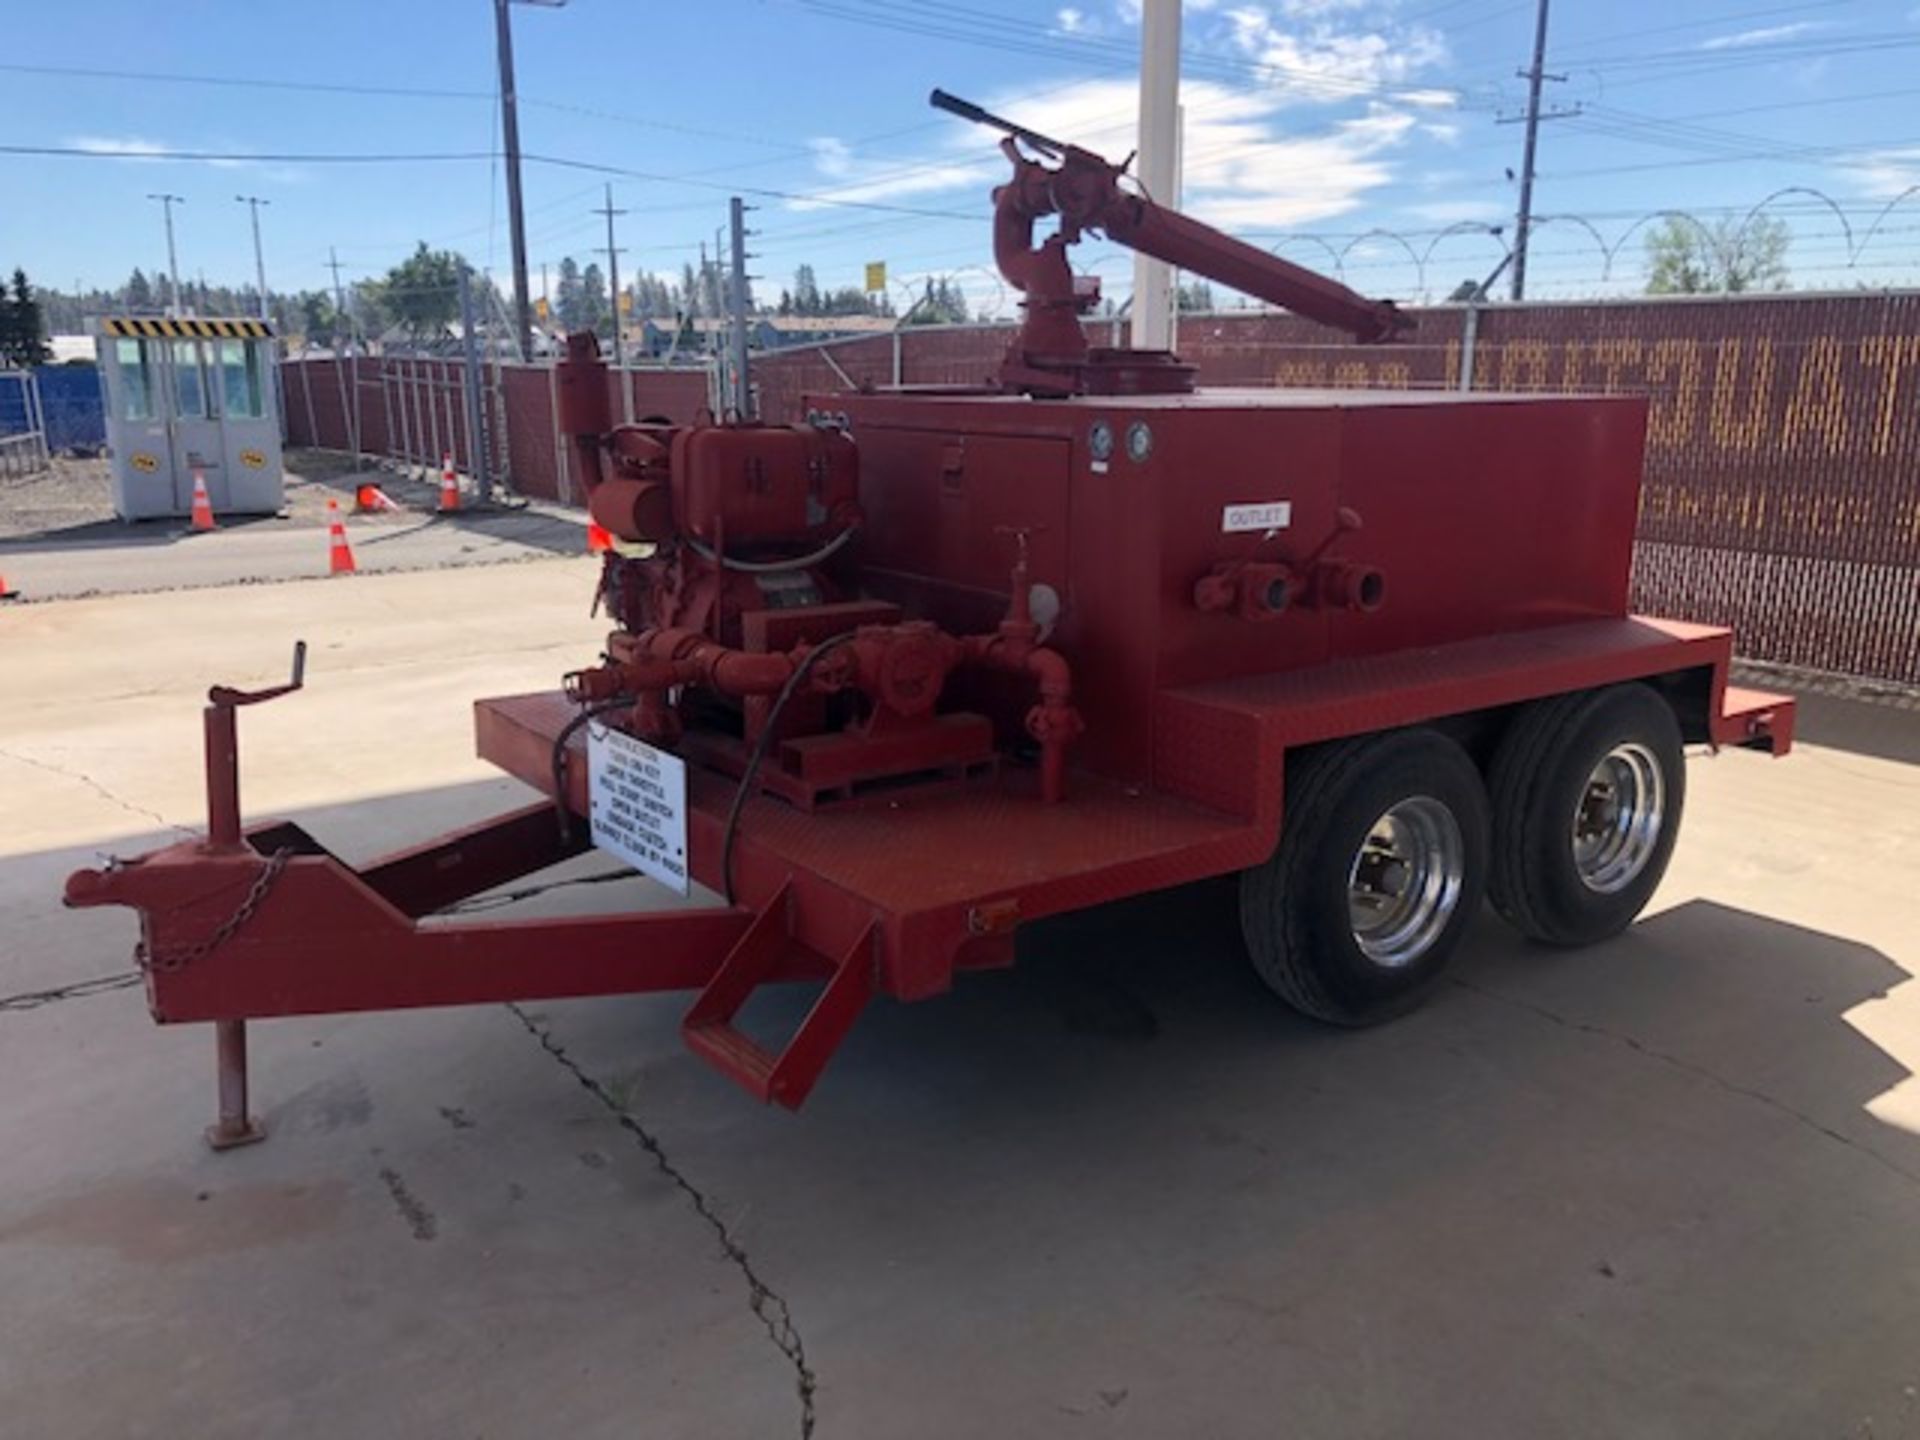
1890,355
1822,398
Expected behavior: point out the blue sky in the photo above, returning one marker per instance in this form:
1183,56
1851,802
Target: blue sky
1309,124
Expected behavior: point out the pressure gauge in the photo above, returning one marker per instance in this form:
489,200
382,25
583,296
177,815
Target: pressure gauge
1139,442
1100,441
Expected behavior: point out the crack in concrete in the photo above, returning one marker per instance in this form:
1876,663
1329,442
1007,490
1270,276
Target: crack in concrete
102,791
768,1306
78,990
1700,1072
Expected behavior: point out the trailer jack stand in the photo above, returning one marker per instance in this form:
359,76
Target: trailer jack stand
235,1127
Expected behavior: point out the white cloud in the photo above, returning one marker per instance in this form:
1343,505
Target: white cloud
1242,170
1453,212
1320,9
139,148
1885,173
1321,62
831,157
1765,35
868,182
1243,166
128,147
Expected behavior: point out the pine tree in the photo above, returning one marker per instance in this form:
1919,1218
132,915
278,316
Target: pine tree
593,299
806,292
567,297
22,331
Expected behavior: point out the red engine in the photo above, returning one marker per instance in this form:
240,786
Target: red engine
740,616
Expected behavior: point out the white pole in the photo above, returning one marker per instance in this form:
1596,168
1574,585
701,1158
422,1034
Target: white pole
253,204
1159,163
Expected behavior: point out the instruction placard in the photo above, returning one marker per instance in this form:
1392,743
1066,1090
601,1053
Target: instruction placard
637,799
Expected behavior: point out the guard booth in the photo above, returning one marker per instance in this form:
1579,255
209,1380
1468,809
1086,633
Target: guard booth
184,395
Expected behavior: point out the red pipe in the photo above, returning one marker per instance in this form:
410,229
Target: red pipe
699,660
1053,722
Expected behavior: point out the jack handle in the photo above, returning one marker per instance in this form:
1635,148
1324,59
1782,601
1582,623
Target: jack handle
223,749
227,696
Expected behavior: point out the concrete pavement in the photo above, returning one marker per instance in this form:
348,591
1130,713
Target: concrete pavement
1666,1187
111,558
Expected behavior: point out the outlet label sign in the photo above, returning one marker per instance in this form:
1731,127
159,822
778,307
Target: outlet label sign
637,804
1273,515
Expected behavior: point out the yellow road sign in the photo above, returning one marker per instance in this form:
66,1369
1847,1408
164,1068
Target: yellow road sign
876,275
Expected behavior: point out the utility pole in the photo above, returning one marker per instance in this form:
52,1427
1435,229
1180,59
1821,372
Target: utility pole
510,143
1159,145
613,293
339,301
1534,74
737,305
167,202
253,204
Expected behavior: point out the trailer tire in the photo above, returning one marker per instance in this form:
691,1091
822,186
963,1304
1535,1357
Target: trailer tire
1587,795
1352,807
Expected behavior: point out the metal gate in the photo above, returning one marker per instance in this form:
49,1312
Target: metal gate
23,425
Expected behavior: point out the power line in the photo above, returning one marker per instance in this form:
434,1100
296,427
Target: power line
999,32
214,157
1704,22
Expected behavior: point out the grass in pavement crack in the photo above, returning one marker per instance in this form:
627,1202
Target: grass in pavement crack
766,1303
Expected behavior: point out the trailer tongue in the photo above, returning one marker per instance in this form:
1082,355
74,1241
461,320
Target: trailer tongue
892,682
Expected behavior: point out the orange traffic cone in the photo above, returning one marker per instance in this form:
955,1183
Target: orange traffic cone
202,518
7,592
367,499
449,487
339,557
598,540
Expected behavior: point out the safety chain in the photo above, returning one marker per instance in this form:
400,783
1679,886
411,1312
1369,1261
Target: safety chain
249,906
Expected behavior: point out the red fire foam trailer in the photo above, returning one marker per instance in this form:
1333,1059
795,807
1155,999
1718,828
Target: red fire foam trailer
930,665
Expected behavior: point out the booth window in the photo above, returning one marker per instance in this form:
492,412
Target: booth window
189,381
136,379
240,379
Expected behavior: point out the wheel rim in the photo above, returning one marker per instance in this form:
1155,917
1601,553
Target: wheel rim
1404,881
1618,818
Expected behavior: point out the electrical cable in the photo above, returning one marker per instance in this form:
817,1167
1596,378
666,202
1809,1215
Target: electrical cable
774,567
759,752
527,892
563,813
